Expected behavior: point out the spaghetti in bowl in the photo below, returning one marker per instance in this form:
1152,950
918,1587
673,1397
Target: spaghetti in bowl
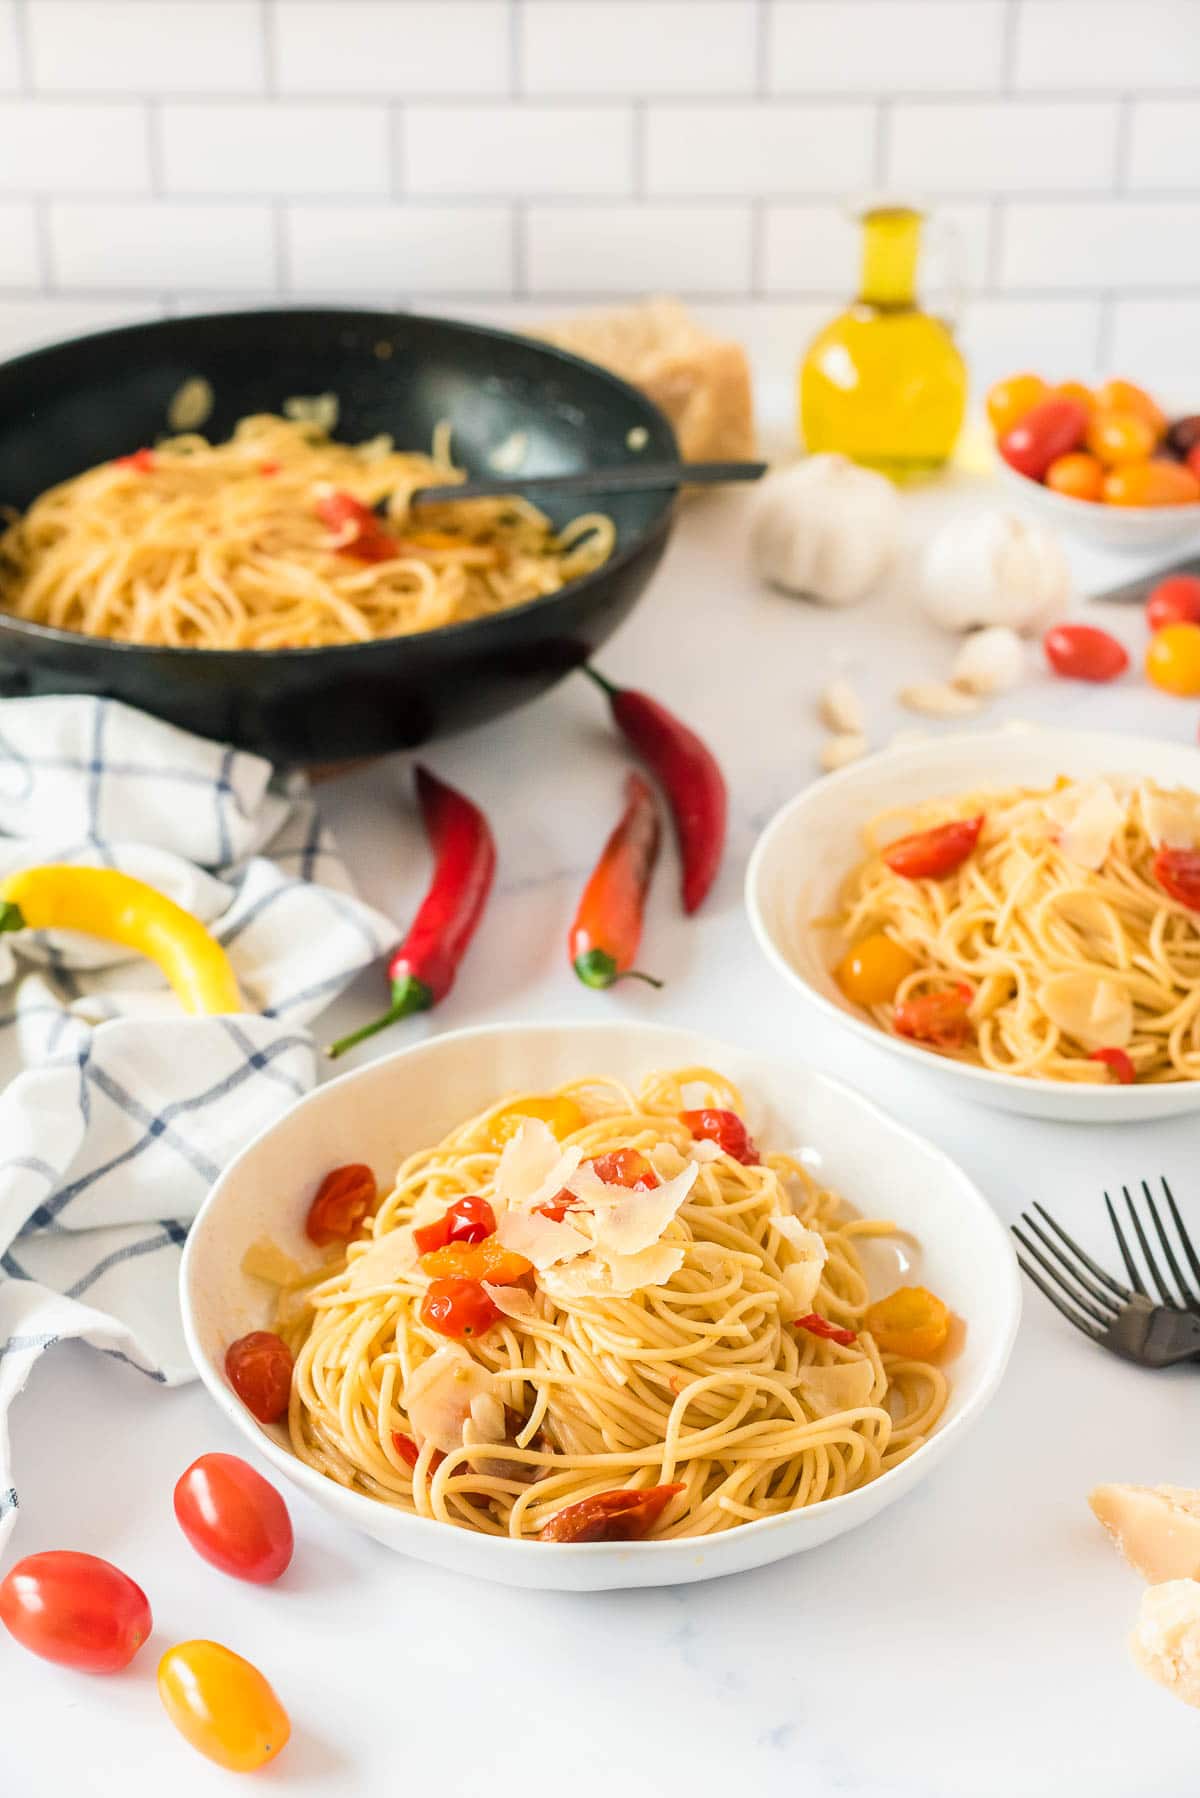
696,1377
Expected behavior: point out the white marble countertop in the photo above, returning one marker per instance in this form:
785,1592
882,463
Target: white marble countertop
970,1643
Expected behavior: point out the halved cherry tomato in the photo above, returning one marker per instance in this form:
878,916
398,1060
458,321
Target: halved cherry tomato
1126,396
1177,872
939,1019
1122,1067
408,1451
488,1260
75,1609
344,1198
1077,476
726,1129
1156,483
142,461
457,1307
931,854
911,1321
870,972
359,530
625,1167
259,1368
1083,652
1010,400
1174,601
1173,659
621,1516
1116,438
1049,430
468,1219
561,1116
816,1325
222,1705
234,1518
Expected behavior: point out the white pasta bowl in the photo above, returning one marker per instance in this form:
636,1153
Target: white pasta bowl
1130,530
815,840
382,1112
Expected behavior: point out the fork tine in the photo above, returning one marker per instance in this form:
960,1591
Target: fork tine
1101,1297
1164,1291
1135,1279
1093,1267
1189,1297
1072,1317
1185,1239
1056,1276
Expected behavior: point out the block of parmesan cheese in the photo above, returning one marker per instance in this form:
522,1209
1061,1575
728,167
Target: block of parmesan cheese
1166,1638
1156,1528
699,381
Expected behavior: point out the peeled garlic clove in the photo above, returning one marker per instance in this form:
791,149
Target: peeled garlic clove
839,752
904,739
1091,1009
841,709
990,660
936,699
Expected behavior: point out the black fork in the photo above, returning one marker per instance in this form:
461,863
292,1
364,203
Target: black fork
1185,1295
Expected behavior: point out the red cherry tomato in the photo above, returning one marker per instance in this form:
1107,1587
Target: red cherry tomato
1051,429
1082,652
358,529
259,1368
222,1705
457,1308
726,1129
939,1019
931,854
1118,1061
469,1219
75,1609
625,1167
344,1198
816,1325
1174,601
234,1518
621,1516
1177,872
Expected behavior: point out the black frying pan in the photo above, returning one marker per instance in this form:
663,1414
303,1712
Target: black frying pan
65,408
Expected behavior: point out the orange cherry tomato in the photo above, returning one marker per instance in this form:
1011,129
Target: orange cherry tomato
932,854
1075,390
1078,476
1084,652
222,1705
562,1116
940,1019
1125,396
1177,872
1152,484
1173,659
234,1518
869,973
726,1129
1116,438
488,1260
911,1321
622,1516
75,1609
344,1198
1174,601
457,1307
1052,429
469,1219
1009,401
625,1167
259,1368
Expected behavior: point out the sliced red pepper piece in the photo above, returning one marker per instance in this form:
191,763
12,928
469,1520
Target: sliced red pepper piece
142,461
937,1018
356,526
556,1208
1177,872
816,1325
932,854
620,1516
408,1451
1119,1062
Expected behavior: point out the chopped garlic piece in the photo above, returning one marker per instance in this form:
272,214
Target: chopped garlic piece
1165,1642
841,710
1095,1011
509,456
842,1386
839,752
1156,1528
191,404
937,699
320,409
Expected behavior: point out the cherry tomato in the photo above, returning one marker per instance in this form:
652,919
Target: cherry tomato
937,1018
75,1609
870,972
1177,872
1184,435
1193,460
726,1129
234,1518
488,1260
1077,476
457,1307
359,530
1173,659
1154,483
410,1454
468,1219
1174,601
1009,401
1118,1061
931,854
816,1325
1050,430
259,1368
1115,438
222,1705
1125,396
1075,390
912,1321
1083,652
621,1516
344,1198
556,1208
562,1116
625,1167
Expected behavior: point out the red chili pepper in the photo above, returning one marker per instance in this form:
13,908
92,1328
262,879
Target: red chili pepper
358,528
423,967
608,925
556,1208
410,1454
932,854
1120,1063
142,461
726,1129
469,1219
816,1325
1177,872
690,777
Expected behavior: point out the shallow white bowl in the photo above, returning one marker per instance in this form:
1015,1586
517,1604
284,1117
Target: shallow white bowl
385,1110
1130,530
810,846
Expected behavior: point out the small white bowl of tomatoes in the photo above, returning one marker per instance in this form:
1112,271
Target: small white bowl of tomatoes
1105,464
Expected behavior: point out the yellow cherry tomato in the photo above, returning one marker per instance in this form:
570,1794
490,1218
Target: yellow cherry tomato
869,973
1078,476
1119,437
561,1116
1008,401
911,1321
1151,484
222,1705
1075,390
1125,396
1173,659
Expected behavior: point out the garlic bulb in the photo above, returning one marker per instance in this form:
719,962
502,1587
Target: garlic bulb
990,660
826,529
994,568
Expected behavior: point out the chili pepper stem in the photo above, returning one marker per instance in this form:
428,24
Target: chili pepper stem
597,969
11,917
605,686
408,995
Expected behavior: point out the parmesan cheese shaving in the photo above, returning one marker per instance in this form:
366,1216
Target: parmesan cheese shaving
1088,815
439,1394
615,1276
511,1301
385,1262
625,1222
1172,819
540,1239
1095,1011
842,1386
265,1260
533,1168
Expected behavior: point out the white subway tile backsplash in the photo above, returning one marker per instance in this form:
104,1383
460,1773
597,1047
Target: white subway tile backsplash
1157,337
1164,147
1117,44
759,148
884,46
815,249
393,47
651,47
600,249
20,261
283,147
510,148
131,46
1003,146
10,55
392,249
1058,335
59,146
1089,244
140,244
27,324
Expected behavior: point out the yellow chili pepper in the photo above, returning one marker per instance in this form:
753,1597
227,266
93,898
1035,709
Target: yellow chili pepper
105,903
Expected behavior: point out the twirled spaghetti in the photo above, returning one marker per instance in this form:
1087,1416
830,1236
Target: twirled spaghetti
223,545
1068,934
700,1377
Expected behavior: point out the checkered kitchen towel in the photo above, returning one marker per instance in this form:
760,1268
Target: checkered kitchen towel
117,1110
